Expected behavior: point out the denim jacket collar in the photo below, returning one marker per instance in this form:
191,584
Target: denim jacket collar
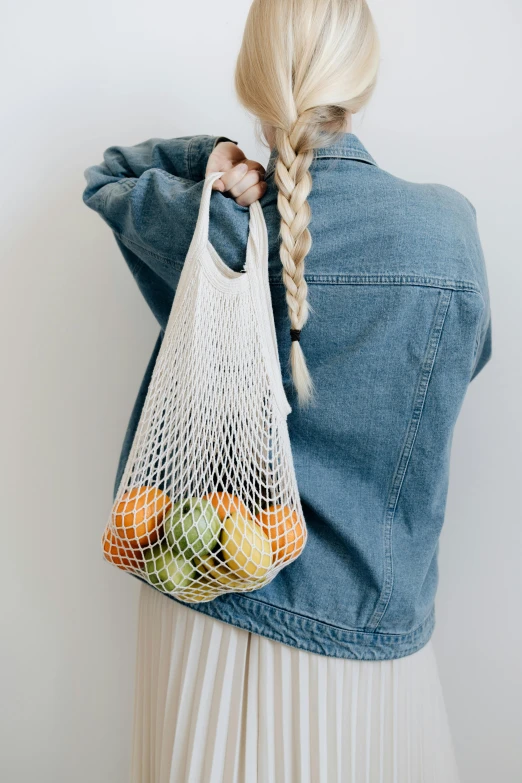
349,146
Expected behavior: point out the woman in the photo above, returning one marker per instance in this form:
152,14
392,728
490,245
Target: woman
328,672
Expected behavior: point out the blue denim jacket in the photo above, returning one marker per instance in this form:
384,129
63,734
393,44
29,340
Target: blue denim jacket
400,326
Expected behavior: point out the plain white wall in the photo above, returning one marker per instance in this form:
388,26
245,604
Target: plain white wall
76,337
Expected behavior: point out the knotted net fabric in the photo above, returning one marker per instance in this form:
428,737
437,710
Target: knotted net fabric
208,502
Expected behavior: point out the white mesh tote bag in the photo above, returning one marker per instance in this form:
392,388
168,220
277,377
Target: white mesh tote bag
208,502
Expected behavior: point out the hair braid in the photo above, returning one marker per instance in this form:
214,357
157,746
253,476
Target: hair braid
303,66
294,183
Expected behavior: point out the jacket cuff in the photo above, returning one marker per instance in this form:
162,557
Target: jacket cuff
198,152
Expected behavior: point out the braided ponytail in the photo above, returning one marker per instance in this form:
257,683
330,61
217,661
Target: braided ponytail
303,66
294,184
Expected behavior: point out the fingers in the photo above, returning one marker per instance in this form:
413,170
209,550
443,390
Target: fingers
244,182
238,179
252,194
231,178
241,177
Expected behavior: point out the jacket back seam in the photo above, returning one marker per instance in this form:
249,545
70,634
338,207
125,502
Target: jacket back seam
340,279
405,455
388,279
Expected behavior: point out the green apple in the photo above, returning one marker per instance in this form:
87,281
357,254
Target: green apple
193,526
167,570
246,548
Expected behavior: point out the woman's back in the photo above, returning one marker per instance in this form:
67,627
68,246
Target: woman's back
399,325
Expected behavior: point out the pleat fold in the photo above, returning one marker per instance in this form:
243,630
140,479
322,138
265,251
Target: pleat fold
216,704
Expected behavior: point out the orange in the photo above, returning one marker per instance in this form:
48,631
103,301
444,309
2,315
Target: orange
118,552
138,516
285,529
226,504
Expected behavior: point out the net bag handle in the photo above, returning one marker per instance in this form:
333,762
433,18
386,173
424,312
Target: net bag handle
257,225
256,268
200,236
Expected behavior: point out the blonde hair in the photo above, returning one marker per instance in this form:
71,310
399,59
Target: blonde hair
302,67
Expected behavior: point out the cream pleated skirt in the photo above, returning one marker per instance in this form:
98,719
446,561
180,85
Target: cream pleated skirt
218,704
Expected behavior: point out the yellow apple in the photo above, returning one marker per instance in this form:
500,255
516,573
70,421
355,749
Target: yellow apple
218,572
199,591
246,548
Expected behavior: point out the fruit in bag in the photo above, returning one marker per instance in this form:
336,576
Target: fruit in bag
217,571
193,527
226,504
120,552
197,595
246,548
200,590
285,530
166,570
138,516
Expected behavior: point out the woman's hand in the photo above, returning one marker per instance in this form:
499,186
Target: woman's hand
243,179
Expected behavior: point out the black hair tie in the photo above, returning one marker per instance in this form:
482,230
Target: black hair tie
295,334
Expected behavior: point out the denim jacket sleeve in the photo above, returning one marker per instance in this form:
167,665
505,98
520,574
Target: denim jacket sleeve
484,343
135,183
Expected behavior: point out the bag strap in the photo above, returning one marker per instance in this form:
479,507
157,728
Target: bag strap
257,225
256,266
200,237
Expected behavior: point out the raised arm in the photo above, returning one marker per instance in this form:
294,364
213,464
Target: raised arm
145,192
155,160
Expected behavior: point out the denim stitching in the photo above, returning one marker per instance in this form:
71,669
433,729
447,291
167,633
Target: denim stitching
481,332
312,635
341,153
188,157
385,279
341,279
105,199
406,451
361,632
246,623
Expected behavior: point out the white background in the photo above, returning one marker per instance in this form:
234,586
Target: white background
76,337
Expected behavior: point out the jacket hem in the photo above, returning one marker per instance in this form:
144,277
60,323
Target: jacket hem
312,635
